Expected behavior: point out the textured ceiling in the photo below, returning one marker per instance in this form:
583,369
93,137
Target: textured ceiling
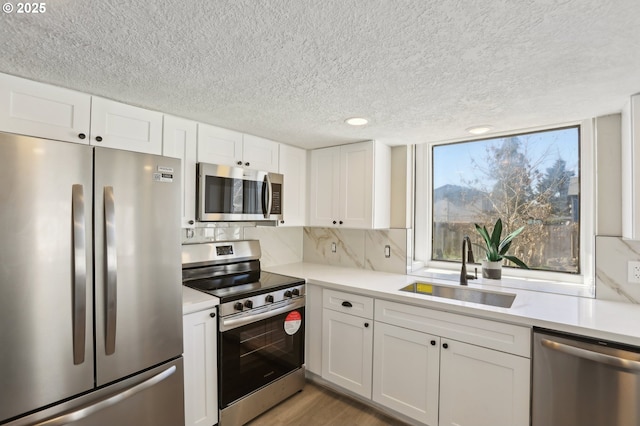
293,71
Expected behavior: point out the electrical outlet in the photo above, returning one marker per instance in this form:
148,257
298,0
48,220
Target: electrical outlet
633,272
334,248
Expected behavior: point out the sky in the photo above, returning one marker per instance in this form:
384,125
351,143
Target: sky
453,166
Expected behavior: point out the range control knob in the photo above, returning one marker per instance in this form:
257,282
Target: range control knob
269,298
287,293
295,292
248,304
238,306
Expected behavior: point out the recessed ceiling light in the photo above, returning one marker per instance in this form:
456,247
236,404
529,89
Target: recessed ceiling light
356,121
479,130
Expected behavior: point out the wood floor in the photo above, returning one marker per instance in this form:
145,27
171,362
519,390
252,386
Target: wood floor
319,406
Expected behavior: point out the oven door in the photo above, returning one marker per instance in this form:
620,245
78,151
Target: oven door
254,354
233,193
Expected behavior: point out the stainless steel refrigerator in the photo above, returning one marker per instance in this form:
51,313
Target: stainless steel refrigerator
90,285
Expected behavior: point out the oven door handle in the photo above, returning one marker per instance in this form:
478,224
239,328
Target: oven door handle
230,323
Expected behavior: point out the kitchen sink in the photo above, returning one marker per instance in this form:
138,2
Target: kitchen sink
465,294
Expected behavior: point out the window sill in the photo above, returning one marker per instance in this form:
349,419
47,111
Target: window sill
530,284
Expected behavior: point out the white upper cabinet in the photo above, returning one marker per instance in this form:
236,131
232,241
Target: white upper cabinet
293,166
631,169
37,109
121,126
219,146
260,153
179,141
350,186
227,147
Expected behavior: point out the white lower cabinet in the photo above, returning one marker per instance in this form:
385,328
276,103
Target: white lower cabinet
406,366
200,368
423,373
347,350
482,387
347,341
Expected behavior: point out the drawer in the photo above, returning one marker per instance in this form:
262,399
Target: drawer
503,337
353,304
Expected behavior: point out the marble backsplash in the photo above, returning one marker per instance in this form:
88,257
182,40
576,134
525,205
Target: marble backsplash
354,248
279,245
612,256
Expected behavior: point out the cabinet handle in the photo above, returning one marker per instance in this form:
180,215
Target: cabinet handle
282,221
433,343
82,136
341,222
334,222
212,314
247,164
239,163
191,222
445,345
366,325
347,304
99,138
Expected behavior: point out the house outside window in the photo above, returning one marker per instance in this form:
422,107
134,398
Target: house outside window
531,179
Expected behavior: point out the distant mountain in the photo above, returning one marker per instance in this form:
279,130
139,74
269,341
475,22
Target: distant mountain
457,195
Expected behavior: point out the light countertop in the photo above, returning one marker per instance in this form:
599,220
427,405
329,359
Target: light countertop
194,300
602,319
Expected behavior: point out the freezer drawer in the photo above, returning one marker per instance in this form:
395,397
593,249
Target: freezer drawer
583,382
154,397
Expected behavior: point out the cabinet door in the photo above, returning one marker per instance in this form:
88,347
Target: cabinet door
356,187
200,368
482,387
121,126
37,109
219,146
406,372
293,166
347,351
179,141
260,153
325,184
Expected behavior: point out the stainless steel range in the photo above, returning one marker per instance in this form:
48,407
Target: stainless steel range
260,326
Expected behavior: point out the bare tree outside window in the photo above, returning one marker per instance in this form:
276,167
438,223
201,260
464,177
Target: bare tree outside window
529,180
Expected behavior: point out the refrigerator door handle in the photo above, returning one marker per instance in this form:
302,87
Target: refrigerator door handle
111,269
269,196
112,400
79,273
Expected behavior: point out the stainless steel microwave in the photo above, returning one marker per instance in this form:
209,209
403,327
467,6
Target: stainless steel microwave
236,194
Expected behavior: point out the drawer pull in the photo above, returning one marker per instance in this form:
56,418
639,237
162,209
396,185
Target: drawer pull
347,304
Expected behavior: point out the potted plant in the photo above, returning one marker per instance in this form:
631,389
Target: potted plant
496,249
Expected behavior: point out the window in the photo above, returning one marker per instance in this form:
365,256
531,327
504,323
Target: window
528,179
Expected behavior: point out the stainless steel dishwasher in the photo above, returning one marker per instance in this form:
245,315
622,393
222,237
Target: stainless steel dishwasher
584,382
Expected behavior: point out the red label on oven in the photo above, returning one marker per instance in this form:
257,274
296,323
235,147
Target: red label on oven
292,322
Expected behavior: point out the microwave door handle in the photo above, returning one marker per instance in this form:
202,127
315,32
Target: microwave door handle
79,273
112,268
269,195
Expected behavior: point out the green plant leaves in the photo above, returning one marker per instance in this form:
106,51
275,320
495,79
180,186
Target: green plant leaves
496,248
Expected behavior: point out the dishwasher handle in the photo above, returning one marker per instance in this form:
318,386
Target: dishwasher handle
601,358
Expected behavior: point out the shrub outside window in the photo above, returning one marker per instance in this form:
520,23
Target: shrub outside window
529,179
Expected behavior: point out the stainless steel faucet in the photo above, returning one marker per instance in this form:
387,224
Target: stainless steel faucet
466,257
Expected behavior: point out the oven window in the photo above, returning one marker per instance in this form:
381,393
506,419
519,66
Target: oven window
256,354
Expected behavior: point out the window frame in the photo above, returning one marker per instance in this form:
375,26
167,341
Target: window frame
423,211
